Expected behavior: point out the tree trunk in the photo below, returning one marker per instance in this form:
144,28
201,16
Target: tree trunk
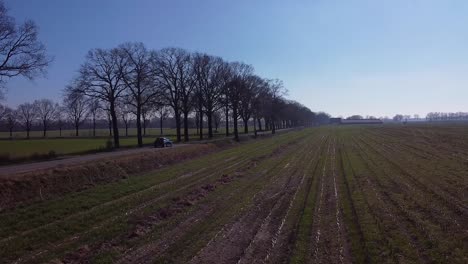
259,124
234,116
200,116
178,125
94,126
273,126
60,131
255,126
110,127
197,123
246,126
161,125
186,135
138,124
76,129
227,121
209,115
45,128
11,132
27,132
115,126
200,120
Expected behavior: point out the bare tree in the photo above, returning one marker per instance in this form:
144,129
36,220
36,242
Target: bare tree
260,101
171,67
26,115
276,91
100,77
210,80
137,75
21,53
75,104
248,96
45,110
187,85
225,99
398,118
241,72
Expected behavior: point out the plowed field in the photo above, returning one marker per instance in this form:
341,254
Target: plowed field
377,194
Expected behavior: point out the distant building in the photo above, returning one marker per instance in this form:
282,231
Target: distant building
335,120
360,121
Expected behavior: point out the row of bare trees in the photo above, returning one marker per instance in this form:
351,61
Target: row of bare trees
139,80
441,116
44,113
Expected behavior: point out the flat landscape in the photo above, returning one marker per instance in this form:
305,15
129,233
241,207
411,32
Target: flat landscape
332,194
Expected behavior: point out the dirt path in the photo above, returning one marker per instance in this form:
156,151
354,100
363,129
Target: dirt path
9,170
329,244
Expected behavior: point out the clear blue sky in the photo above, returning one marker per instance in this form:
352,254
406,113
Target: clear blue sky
343,57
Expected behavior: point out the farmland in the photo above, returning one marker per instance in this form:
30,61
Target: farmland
38,147
376,194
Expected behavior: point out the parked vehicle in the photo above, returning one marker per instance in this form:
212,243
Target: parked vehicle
162,142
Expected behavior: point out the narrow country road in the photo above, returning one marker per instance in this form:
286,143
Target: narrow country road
6,171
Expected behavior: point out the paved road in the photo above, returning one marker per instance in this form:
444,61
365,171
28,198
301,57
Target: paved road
73,160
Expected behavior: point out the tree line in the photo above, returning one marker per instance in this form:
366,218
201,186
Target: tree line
130,78
131,82
441,116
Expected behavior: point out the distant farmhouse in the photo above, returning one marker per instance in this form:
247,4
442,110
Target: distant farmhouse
335,120
340,121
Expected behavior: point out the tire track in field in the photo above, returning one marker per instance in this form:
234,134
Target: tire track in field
329,244
280,249
360,249
254,230
155,249
265,240
317,221
344,247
